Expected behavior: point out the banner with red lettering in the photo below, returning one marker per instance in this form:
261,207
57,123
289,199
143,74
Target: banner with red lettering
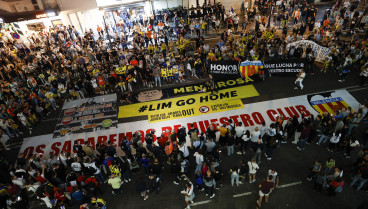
251,115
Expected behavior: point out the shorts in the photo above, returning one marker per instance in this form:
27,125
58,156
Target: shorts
188,199
261,194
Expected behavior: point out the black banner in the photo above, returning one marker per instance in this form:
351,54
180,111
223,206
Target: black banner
87,115
224,70
284,67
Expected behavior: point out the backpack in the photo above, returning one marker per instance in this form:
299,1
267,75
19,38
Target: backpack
272,142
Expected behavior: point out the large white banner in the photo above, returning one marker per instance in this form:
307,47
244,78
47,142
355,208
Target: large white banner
321,52
251,115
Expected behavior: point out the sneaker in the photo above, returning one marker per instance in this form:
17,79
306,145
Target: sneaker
254,180
309,179
213,196
240,182
250,182
202,190
347,157
295,87
146,198
239,153
113,192
206,194
269,158
298,148
176,183
340,80
125,180
191,201
259,205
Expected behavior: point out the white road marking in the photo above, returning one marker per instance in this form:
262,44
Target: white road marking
281,186
201,202
242,194
289,185
359,89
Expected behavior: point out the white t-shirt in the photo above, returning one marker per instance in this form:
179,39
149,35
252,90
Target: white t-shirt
252,167
274,175
185,150
239,131
199,158
76,166
255,136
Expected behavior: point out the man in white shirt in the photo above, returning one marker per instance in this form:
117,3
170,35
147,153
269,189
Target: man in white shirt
239,131
199,160
273,176
255,135
263,129
184,149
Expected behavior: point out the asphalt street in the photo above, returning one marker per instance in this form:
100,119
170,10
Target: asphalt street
292,164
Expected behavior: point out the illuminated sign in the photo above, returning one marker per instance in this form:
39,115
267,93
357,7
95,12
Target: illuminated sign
43,15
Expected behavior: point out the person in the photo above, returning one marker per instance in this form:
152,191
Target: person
265,188
141,187
199,160
98,202
115,182
230,144
235,176
317,166
223,133
257,149
335,186
299,80
274,177
188,192
361,177
209,184
303,137
253,167
319,181
244,142
330,165
154,183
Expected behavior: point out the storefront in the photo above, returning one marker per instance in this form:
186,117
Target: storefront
43,21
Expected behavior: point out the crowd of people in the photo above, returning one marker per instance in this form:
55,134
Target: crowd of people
77,179
61,64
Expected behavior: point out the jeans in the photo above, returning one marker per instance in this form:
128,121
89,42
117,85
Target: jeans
302,143
258,156
158,80
269,152
8,132
126,175
234,177
230,150
358,178
100,178
198,168
323,139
